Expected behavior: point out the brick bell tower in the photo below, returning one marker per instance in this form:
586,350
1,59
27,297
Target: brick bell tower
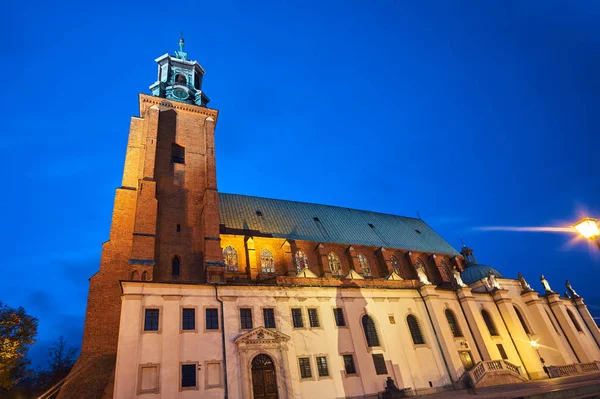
165,223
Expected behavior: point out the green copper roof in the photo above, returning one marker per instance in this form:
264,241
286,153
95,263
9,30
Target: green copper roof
324,223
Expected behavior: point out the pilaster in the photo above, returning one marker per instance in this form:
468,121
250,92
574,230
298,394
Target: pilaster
473,316
588,319
552,348
251,258
323,261
170,326
560,311
521,340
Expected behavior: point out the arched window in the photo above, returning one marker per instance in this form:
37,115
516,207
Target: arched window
522,320
134,275
180,79
415,330
489,322
574,320
175,263
301,261
370,331
334,263
552,322
364,265
144,276
267,263
230,257
454,327
395,265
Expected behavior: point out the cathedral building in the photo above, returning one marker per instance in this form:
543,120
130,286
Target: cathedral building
214,295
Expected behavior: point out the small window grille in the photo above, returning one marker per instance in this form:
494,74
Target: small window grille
246,318
189,319
305,371
322,367
338,315
313,318
297,318
379,362
212,319
269,317
188,375
151,320
349,364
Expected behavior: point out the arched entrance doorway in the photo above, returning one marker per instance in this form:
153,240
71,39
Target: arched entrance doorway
264,382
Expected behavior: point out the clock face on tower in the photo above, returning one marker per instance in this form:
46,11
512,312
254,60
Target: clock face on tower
180,94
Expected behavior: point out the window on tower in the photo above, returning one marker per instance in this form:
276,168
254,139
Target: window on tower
180,79
177,153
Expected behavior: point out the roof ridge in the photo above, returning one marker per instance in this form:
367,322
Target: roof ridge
330,206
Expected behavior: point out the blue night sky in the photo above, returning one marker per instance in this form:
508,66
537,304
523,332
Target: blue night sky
474,113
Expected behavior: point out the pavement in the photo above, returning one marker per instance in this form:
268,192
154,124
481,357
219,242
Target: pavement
528,388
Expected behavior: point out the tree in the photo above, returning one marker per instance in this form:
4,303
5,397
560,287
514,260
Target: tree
61,359
17,333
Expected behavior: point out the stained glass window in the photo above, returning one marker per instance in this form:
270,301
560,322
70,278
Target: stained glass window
415,330
266,261
454,327
395,265
230,258
301,261
334,263
574,320
522,320
370,331
489,322
364,265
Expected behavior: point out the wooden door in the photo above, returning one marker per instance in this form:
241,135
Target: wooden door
264,381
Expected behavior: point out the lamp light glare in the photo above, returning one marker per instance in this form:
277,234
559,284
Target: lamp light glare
587,227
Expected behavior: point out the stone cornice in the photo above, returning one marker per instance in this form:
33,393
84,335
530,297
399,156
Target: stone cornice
152,100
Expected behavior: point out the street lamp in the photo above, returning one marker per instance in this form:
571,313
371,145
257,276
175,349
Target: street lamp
588,228
535,346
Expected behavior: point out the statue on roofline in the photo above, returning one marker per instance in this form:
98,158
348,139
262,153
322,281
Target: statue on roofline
571,290
525,287
492,283
546,285
421,273
458,278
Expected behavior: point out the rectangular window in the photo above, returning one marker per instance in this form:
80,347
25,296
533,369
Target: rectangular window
297,318
188,375
379,363
246,318
305,371
349,365
269,316
177,153
313,318
188,319
212,319
322,366
502,351
151,320
338,315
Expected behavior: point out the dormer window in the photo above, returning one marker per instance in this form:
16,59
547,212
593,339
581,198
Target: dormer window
180,79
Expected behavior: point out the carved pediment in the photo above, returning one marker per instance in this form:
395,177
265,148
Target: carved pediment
353,275
262,336
306,273
393,276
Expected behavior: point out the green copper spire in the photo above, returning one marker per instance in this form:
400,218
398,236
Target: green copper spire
182,55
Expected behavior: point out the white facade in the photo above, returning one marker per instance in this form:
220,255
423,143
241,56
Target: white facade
149,362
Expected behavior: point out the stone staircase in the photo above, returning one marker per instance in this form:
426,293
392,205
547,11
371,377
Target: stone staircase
494,372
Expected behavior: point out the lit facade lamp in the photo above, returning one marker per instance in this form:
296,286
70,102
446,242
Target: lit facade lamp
536,346
588,228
